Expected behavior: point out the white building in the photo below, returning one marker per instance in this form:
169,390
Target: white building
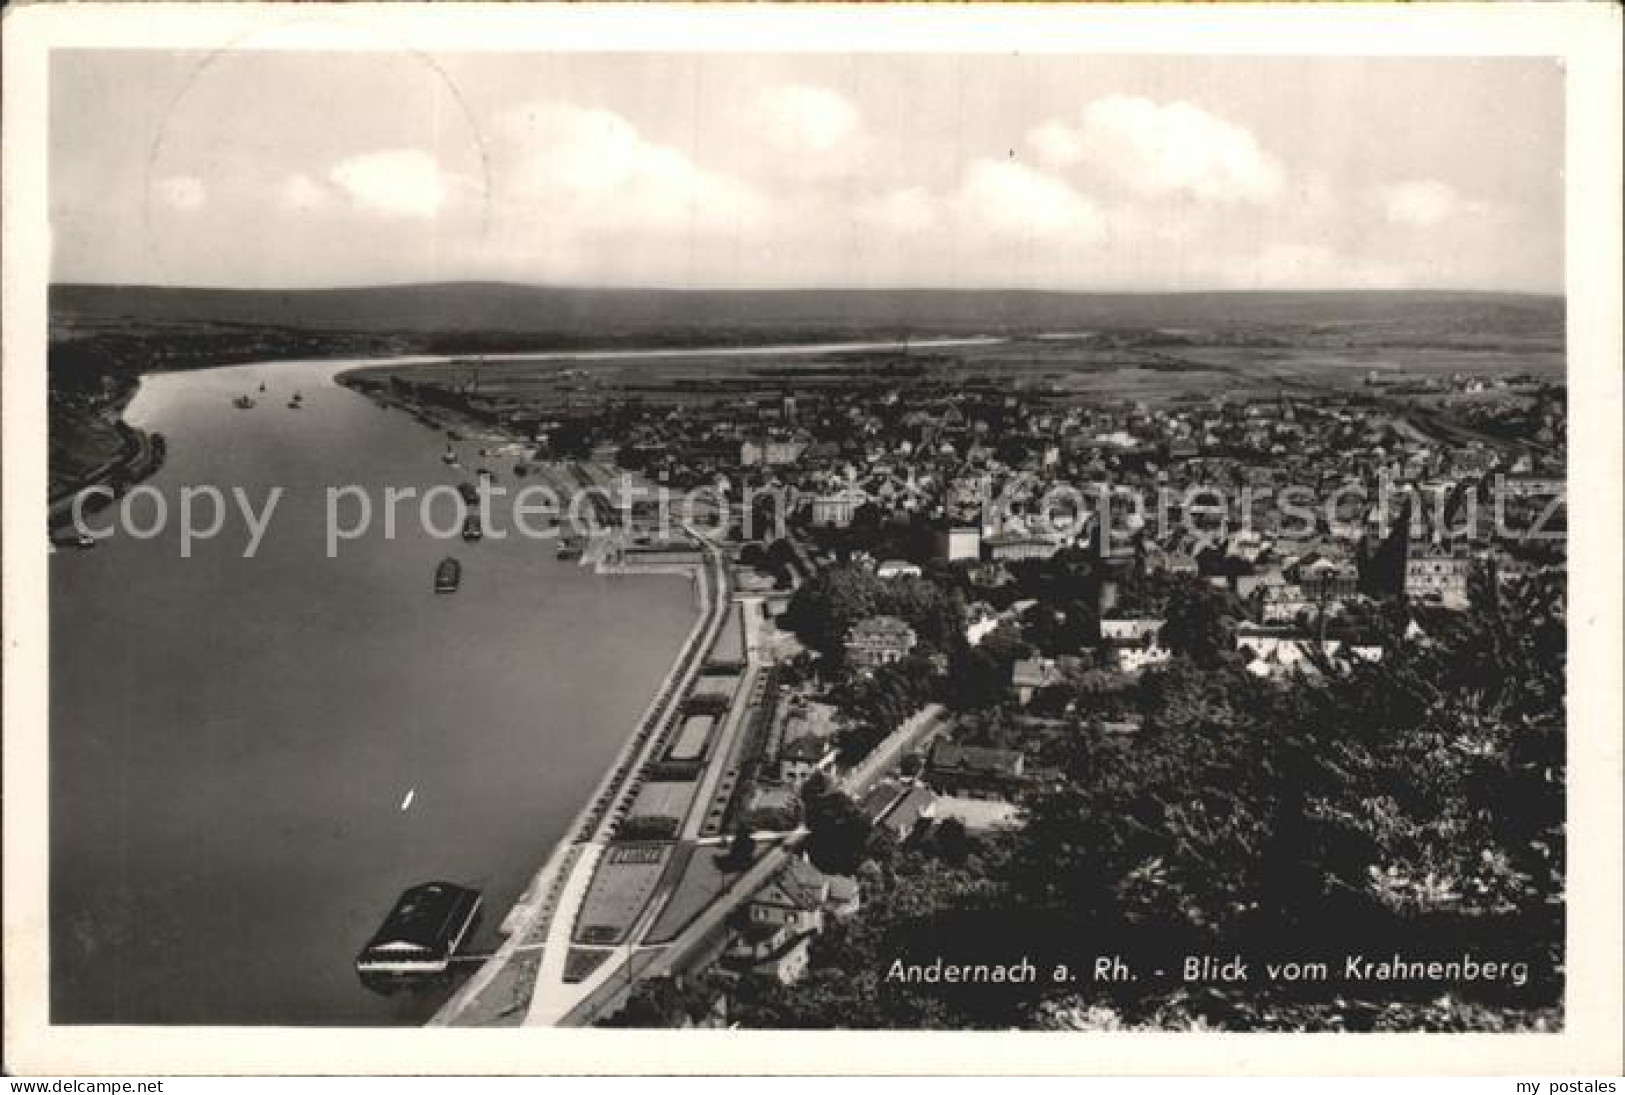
897,568
879,640
1438,575
959,543
1133,657
1129,629
836,510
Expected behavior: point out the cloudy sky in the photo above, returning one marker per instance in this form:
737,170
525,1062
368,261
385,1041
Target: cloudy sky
280,169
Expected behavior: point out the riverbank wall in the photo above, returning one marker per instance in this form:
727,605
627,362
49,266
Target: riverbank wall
485,998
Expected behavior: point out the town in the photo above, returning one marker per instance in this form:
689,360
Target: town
922,597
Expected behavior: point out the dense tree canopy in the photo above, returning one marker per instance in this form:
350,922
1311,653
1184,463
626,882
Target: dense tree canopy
1412,806
824,609
1198,624
838,832
1415,804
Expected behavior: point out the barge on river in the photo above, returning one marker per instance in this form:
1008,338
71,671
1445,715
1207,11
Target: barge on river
420,936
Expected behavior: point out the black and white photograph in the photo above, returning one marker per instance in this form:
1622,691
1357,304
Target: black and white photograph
803,537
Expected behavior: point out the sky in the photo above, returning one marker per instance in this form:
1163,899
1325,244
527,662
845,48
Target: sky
281,169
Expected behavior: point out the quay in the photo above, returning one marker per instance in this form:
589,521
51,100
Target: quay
608,909
527,972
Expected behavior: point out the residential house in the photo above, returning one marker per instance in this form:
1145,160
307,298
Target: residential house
879,640
1007,547
835,510
1440,575
1129,628
1134,655
1029,675
770,451
975,771
899,807
804,756
959,543
781,919
897,568
1273,652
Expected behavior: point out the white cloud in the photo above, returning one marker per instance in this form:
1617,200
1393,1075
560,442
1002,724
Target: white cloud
1160,149
1422,203
396,183
581,170
1058,144
803,118
182,192
905,211
301,192
1011,198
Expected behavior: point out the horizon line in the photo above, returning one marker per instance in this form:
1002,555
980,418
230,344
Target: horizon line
1560,293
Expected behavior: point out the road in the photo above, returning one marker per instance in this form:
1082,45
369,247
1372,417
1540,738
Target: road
923,723
610,989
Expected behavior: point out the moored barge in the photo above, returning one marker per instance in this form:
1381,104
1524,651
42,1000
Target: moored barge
420,936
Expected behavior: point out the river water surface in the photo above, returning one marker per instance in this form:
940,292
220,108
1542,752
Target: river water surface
232,740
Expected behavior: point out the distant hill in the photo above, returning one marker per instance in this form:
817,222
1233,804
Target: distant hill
103,337
501,311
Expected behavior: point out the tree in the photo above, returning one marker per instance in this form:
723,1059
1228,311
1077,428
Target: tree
1196,625
824,609
976,679
952,841
1064,627
816,786
781,556
741,850
660,1002
1413,801
838,833
1006,645
1179,696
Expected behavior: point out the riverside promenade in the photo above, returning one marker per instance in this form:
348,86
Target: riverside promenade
610,989
524,978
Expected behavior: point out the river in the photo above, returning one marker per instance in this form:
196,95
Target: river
233,739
